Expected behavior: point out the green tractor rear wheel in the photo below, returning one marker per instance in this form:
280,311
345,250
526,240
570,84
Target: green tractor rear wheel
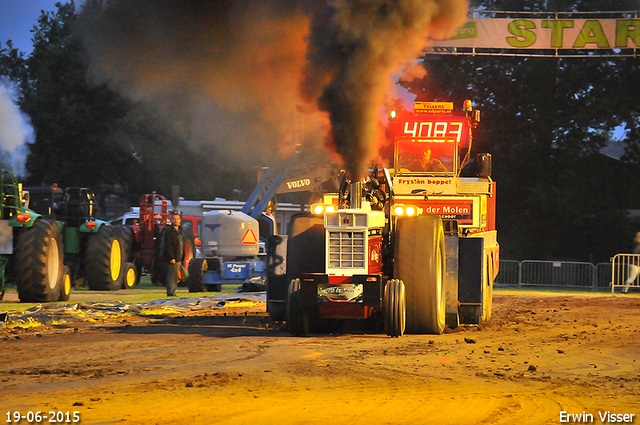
103,262
38,262
126,234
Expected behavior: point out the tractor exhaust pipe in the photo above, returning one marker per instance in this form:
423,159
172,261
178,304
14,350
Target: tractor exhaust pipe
355,195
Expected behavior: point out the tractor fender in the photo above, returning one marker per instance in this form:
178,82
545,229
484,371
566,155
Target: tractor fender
92,226
18,220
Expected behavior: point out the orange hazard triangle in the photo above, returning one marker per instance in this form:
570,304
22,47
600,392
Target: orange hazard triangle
249,238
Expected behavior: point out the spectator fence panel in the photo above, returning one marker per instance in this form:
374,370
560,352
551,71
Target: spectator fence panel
509,273
625,267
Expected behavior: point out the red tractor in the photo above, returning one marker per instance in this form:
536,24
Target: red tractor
409,248
142,239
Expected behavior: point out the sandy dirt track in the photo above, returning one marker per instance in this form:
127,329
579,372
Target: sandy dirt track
541,355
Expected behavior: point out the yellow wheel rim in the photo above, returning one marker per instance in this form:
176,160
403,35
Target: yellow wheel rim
53,263
130,277
116,259
67,284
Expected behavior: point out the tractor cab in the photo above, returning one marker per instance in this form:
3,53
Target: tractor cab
434,140
76,206
44,200
10,191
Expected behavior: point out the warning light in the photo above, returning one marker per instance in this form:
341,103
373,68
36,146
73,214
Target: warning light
23,218
467,106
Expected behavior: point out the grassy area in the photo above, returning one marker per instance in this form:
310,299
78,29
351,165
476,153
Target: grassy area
144,292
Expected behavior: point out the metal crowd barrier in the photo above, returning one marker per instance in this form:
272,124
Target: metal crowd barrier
509,273
624,271
570,274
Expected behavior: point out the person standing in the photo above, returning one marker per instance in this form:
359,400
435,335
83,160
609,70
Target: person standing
634,266
171,253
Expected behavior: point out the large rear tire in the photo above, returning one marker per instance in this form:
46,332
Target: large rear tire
304,253
487,293
305,247
126,234
420,262
104,262
395,308
197,266
38,262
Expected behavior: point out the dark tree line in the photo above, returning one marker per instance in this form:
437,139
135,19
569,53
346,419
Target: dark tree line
544,120
88,135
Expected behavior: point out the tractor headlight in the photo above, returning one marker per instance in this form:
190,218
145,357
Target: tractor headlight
406,210
322,208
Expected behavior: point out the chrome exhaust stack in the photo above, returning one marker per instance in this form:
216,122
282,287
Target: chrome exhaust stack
355,195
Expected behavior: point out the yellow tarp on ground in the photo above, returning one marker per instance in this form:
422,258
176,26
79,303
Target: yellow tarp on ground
58,314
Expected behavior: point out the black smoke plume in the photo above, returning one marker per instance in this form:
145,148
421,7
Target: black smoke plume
271,64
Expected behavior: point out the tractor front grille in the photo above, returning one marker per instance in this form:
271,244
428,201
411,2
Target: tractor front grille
347,249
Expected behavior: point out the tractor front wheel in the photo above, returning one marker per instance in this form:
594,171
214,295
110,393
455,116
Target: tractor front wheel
65,287
38,262
130,276
104,265
395,308
297,318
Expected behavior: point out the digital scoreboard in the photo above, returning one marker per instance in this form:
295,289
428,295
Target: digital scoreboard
436,129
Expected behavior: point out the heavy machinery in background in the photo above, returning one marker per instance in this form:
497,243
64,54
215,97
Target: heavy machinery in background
233,242
31,248
413,248
92,248
142,239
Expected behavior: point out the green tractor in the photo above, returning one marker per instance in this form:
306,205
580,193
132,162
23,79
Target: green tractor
31,248
93,249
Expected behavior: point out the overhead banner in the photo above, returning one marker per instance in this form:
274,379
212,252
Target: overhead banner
500,33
